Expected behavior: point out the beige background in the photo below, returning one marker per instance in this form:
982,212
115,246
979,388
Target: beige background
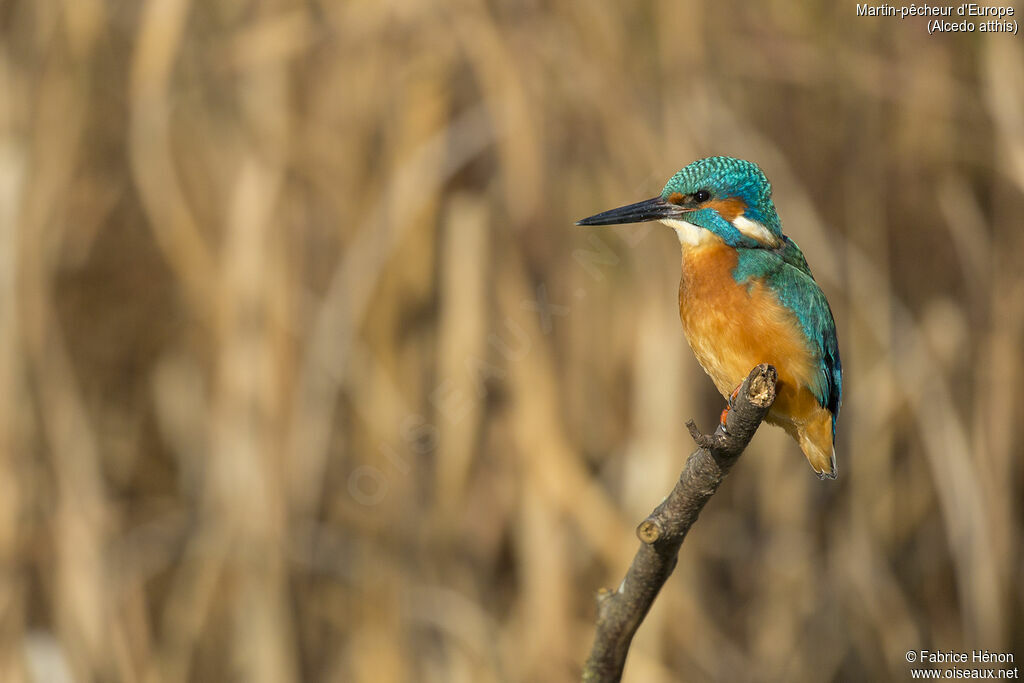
306,374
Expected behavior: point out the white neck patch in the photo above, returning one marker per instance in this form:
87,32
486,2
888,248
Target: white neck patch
755,231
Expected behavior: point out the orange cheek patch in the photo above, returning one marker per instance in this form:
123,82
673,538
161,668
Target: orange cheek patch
728,209
675,198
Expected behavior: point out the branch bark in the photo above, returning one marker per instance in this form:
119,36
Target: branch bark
620,612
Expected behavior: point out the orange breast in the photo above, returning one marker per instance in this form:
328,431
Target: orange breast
732,327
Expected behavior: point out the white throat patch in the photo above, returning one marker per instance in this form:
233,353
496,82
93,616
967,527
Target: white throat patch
689,234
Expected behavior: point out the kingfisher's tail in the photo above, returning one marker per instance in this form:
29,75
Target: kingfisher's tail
815,439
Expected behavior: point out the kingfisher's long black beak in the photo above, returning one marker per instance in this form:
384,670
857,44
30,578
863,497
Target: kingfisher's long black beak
648,210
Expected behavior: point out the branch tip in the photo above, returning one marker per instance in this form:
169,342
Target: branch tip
761,388
709,441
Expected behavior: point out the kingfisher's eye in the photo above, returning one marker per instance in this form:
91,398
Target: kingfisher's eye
701,196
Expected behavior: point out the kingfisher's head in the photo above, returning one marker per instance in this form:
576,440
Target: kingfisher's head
718,197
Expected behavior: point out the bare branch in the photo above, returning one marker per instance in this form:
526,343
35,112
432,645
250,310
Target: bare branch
620,612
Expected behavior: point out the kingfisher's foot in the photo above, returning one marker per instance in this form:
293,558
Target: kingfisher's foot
732,399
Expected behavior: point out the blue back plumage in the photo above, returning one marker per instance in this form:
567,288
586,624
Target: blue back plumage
785,271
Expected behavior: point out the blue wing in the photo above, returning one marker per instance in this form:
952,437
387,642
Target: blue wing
787,271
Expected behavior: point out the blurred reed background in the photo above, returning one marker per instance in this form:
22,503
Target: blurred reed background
305,373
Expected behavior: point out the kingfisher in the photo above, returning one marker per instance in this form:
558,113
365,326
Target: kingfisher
747,296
